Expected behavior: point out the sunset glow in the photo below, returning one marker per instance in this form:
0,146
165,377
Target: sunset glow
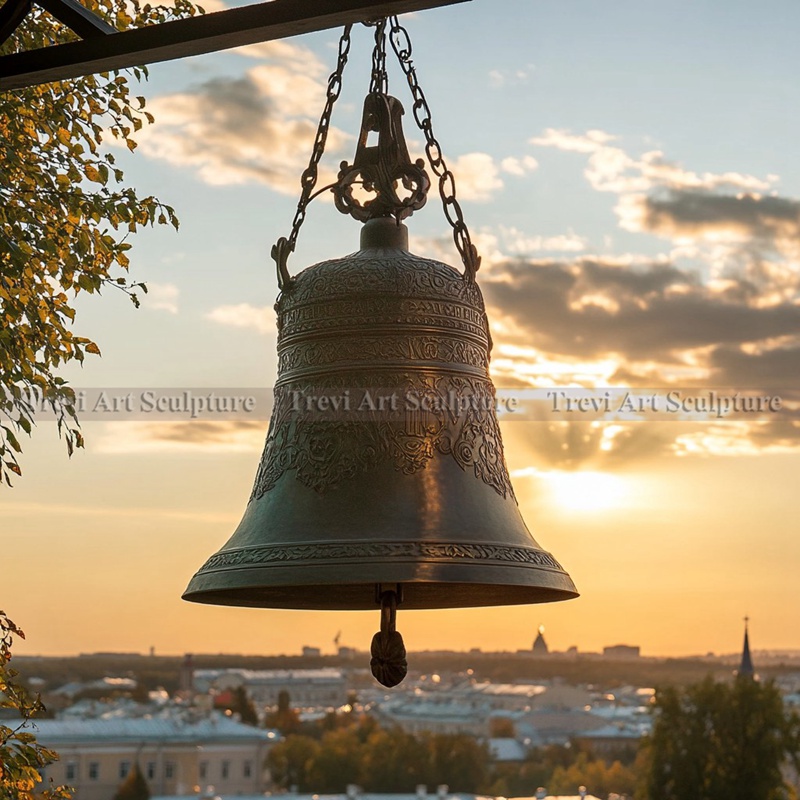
631,182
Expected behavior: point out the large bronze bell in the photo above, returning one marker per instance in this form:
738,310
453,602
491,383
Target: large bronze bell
383,480
346,499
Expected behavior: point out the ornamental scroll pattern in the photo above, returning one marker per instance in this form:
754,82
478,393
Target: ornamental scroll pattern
371,348
323,453
331,551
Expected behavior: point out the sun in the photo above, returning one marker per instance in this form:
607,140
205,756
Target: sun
582,491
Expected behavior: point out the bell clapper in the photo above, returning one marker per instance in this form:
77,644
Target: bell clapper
388,663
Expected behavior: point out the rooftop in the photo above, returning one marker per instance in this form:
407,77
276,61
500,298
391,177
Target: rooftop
56,732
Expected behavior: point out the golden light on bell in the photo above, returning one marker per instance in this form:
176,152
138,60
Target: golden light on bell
383,481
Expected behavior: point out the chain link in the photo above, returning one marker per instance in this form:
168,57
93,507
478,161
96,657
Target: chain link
401,44
379,81
308,180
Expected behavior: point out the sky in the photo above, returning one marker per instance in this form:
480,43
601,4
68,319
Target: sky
628,173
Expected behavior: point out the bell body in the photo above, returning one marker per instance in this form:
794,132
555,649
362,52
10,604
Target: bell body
357,490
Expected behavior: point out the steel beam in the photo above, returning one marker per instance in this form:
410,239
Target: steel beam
189,37
77,17
11,15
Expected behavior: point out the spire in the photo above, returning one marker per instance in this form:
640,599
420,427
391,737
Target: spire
746,667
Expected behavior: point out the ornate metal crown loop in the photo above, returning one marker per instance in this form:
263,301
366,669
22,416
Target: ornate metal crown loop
390,184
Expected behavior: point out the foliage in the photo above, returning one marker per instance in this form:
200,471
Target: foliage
289,761
379,760
514,780
599,777
134,787
501,728
716,741
394,761
243,705
337,763
65,216
284,718
21,756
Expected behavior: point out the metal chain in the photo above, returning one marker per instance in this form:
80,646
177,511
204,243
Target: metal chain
379,81
308,180
401,44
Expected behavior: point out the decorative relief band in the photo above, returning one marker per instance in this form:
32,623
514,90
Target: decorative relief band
371,311
271,555
323,453
376,349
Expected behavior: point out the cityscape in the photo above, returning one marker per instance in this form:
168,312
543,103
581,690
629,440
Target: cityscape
239,728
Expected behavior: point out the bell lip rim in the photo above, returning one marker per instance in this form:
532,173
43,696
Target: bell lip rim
210,597
297,586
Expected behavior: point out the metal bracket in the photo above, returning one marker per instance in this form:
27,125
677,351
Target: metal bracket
206,33
384,170
71,13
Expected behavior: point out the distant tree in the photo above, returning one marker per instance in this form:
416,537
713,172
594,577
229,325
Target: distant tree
140,693
284,718
458,760
242,704
600,778
515,780
501,728
717,741
134,787
289,761
65,217
394,761
21,756
338,761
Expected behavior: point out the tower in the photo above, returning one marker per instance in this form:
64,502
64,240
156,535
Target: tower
746,666
540,647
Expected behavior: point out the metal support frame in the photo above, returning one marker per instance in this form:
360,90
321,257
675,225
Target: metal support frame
103,49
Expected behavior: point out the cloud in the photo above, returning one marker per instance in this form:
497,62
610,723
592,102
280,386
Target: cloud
510,77
250,128
589,142
731,222
519,166
161,297
245,315
611,169
517,243
477,177
597,307
770,367
596,322
690,216
230,436
720,309
739,439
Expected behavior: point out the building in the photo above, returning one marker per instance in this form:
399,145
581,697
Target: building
435,714
422,793
307,688
613,740
540,647
621,651
176,756
746,665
